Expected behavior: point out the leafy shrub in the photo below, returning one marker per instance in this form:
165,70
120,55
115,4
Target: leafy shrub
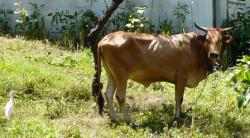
87,21
118,21
67,26
31,25
240,80
180,12
4,21
137,22
240,32
166,28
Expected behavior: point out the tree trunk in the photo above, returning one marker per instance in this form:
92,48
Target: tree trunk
93,38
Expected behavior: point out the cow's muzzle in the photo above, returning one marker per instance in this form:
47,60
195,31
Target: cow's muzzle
213,55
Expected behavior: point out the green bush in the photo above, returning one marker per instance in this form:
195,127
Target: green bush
137,22
31,24
240,32
88,20
181,12
166,28
4,21
65,28
71,29
240,80
118,21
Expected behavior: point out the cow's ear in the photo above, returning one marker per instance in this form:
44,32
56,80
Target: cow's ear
227,38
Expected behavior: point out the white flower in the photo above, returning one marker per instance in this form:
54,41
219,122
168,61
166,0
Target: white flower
19,21
16,3
141,25
135,20
140,11
128,25
24,13
16,12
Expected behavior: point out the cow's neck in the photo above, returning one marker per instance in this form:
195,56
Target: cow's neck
203,62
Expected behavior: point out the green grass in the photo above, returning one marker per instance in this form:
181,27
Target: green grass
54,100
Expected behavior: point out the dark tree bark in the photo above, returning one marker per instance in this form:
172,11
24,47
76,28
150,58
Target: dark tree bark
93,38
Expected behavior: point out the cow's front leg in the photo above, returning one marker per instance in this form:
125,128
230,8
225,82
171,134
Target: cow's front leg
179,91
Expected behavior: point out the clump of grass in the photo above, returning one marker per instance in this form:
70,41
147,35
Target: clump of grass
61,106
28,128
3,122
71,132
55,108
31,91
77,92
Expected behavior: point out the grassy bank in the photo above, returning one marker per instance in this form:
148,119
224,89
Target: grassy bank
54,99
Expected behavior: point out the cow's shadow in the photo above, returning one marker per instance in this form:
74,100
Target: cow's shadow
160,120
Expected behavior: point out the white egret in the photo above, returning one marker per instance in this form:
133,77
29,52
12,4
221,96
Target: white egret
10,105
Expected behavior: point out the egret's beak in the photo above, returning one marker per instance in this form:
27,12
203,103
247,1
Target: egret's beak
17,93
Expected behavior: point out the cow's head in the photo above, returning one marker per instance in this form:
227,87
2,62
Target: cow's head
213,40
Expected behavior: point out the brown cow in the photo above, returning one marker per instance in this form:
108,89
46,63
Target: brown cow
180,59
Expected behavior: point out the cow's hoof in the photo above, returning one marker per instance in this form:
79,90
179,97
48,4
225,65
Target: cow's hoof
182,121
179,120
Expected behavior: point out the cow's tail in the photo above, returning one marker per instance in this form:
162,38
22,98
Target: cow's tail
97,85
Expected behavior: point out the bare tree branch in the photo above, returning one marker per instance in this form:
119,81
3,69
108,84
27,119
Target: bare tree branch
106,4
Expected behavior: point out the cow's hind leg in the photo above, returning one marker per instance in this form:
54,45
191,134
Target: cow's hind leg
121,98
111,86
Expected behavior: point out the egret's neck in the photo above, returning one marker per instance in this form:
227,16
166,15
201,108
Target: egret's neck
11,98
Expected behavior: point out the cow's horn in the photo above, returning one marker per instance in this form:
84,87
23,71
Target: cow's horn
227,29
201,28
